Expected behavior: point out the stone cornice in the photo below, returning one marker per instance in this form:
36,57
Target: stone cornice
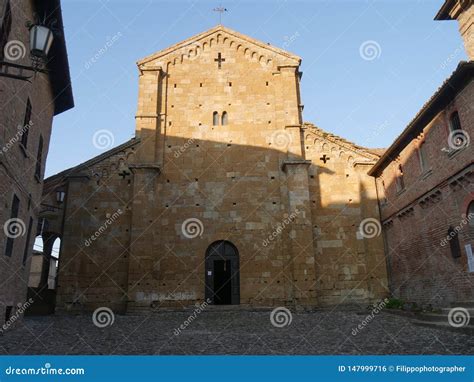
340,142
78,177
190,48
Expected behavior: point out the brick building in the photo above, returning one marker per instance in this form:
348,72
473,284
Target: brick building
224,193
463,12
424,184
28,103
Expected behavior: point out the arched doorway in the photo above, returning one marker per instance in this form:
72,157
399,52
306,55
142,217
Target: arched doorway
222,273
43,272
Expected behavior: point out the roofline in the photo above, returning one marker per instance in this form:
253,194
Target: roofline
204,34
459,6
364,151
58,64
450,88
92,161
443,13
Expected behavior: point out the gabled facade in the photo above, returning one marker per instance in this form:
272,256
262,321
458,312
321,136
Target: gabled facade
227,195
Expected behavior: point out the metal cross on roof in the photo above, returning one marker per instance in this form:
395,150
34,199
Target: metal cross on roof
221,10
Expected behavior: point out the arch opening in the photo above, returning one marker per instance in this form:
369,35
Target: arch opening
222,273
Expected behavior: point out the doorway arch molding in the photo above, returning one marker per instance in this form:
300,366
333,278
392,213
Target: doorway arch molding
222,273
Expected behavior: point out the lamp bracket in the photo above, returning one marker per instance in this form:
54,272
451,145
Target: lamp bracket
20,72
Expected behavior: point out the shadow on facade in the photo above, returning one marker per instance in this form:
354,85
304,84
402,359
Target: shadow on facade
142,259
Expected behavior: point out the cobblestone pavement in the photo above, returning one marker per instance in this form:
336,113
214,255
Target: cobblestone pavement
231,332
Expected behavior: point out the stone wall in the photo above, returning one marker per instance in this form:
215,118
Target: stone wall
466,28
94,256
228,177
350,267
245,180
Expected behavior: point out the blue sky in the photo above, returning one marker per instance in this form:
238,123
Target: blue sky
365,98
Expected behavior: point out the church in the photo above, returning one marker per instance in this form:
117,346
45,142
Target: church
224,194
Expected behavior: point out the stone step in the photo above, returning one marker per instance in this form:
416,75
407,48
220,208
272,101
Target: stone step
442,316
445,326
134,310
447,310
137,310
432,317
463,304
233,308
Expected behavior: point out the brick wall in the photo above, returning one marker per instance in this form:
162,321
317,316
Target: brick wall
436,196
17,165
466,28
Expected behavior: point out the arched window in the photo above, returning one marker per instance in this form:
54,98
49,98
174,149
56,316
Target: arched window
224,118
454,242
454,122
400,181
215,118
470,214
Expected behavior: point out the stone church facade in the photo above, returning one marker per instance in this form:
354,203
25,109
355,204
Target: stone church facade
224,193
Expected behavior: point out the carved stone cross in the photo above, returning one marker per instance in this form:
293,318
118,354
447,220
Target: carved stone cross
219,59
324,158
123,174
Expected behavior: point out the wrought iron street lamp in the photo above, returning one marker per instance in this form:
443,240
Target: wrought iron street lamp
41,40
60,194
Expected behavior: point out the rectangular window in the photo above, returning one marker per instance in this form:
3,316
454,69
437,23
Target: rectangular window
399,179
454,242
8,313
26,124
11,228
28,239
39,159
5,26
383,191
400,183
455,122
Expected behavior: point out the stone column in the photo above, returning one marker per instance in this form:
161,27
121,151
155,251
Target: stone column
149,118
465,17
48,241
150,124
70,278
300,229
141,285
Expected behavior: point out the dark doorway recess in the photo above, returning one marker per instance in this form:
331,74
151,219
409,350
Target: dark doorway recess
222,273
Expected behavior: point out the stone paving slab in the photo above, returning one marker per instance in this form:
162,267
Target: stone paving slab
232,332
